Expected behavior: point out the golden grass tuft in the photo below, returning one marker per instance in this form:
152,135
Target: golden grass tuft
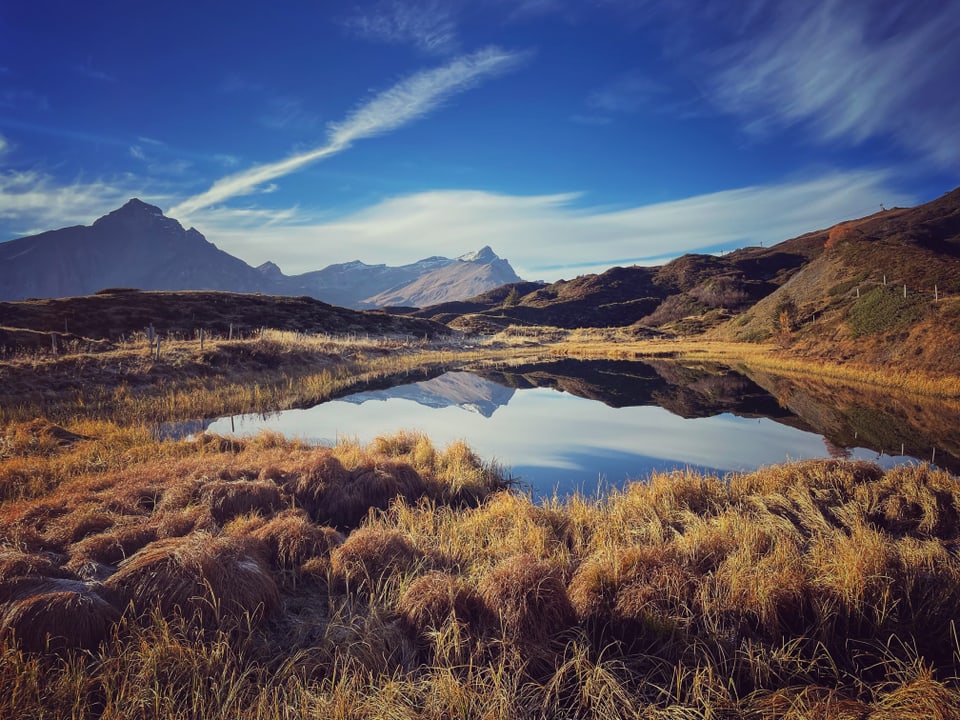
291,539
229,498
114,545
47,614
633,594
212,580
436,598
529,596
371,553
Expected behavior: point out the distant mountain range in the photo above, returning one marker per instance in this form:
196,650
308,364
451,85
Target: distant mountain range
137,246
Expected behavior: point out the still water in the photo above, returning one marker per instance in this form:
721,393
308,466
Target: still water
566,427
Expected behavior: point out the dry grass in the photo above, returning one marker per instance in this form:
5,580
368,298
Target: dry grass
821,589
215,581
54,615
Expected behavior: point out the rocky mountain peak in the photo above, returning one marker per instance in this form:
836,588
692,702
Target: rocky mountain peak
483,255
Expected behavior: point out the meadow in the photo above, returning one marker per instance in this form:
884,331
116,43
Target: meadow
212,577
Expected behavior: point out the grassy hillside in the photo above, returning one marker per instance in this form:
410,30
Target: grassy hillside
112,314
886,291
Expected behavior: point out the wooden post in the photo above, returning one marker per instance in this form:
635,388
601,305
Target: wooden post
858,291
65,328
53,339
201,339
230,337
158,349
904,290
884,279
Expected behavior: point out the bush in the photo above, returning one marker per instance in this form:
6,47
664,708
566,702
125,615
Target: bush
883,308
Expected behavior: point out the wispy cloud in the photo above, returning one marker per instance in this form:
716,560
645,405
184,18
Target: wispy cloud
537,232
4,146
428,25
850,70
405,102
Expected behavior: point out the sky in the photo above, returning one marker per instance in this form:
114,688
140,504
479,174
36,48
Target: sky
568,135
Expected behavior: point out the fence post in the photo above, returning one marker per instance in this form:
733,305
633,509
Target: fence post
231,332
53,339
201,340
158,349
904,290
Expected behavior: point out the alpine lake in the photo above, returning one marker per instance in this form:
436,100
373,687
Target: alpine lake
585,425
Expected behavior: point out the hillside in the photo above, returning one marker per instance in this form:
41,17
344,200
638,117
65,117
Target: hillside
693,290
111,314
138,246
885,291
836,293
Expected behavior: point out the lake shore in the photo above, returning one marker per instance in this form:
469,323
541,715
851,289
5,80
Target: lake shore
399,578
265,578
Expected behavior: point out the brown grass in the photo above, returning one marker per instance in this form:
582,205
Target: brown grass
369,554
436,598
292,540
48,614
212,580
229,498
529,596
821,589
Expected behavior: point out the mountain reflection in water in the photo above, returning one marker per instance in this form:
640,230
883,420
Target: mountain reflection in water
572,424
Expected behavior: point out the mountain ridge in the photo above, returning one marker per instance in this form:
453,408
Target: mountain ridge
136,245
741,294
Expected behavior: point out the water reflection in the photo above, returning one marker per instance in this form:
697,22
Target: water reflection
577,425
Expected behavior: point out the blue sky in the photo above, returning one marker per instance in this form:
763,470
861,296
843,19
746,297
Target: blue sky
569,135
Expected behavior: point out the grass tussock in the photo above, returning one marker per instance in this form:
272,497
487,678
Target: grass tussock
267,579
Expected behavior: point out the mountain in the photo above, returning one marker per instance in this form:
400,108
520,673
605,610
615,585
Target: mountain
884,290
137,246
134,246
839,289
705,287
428,281
463,277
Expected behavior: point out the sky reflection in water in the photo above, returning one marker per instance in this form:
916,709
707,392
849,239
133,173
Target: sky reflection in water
552,440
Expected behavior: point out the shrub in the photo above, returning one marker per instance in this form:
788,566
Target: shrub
883,308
